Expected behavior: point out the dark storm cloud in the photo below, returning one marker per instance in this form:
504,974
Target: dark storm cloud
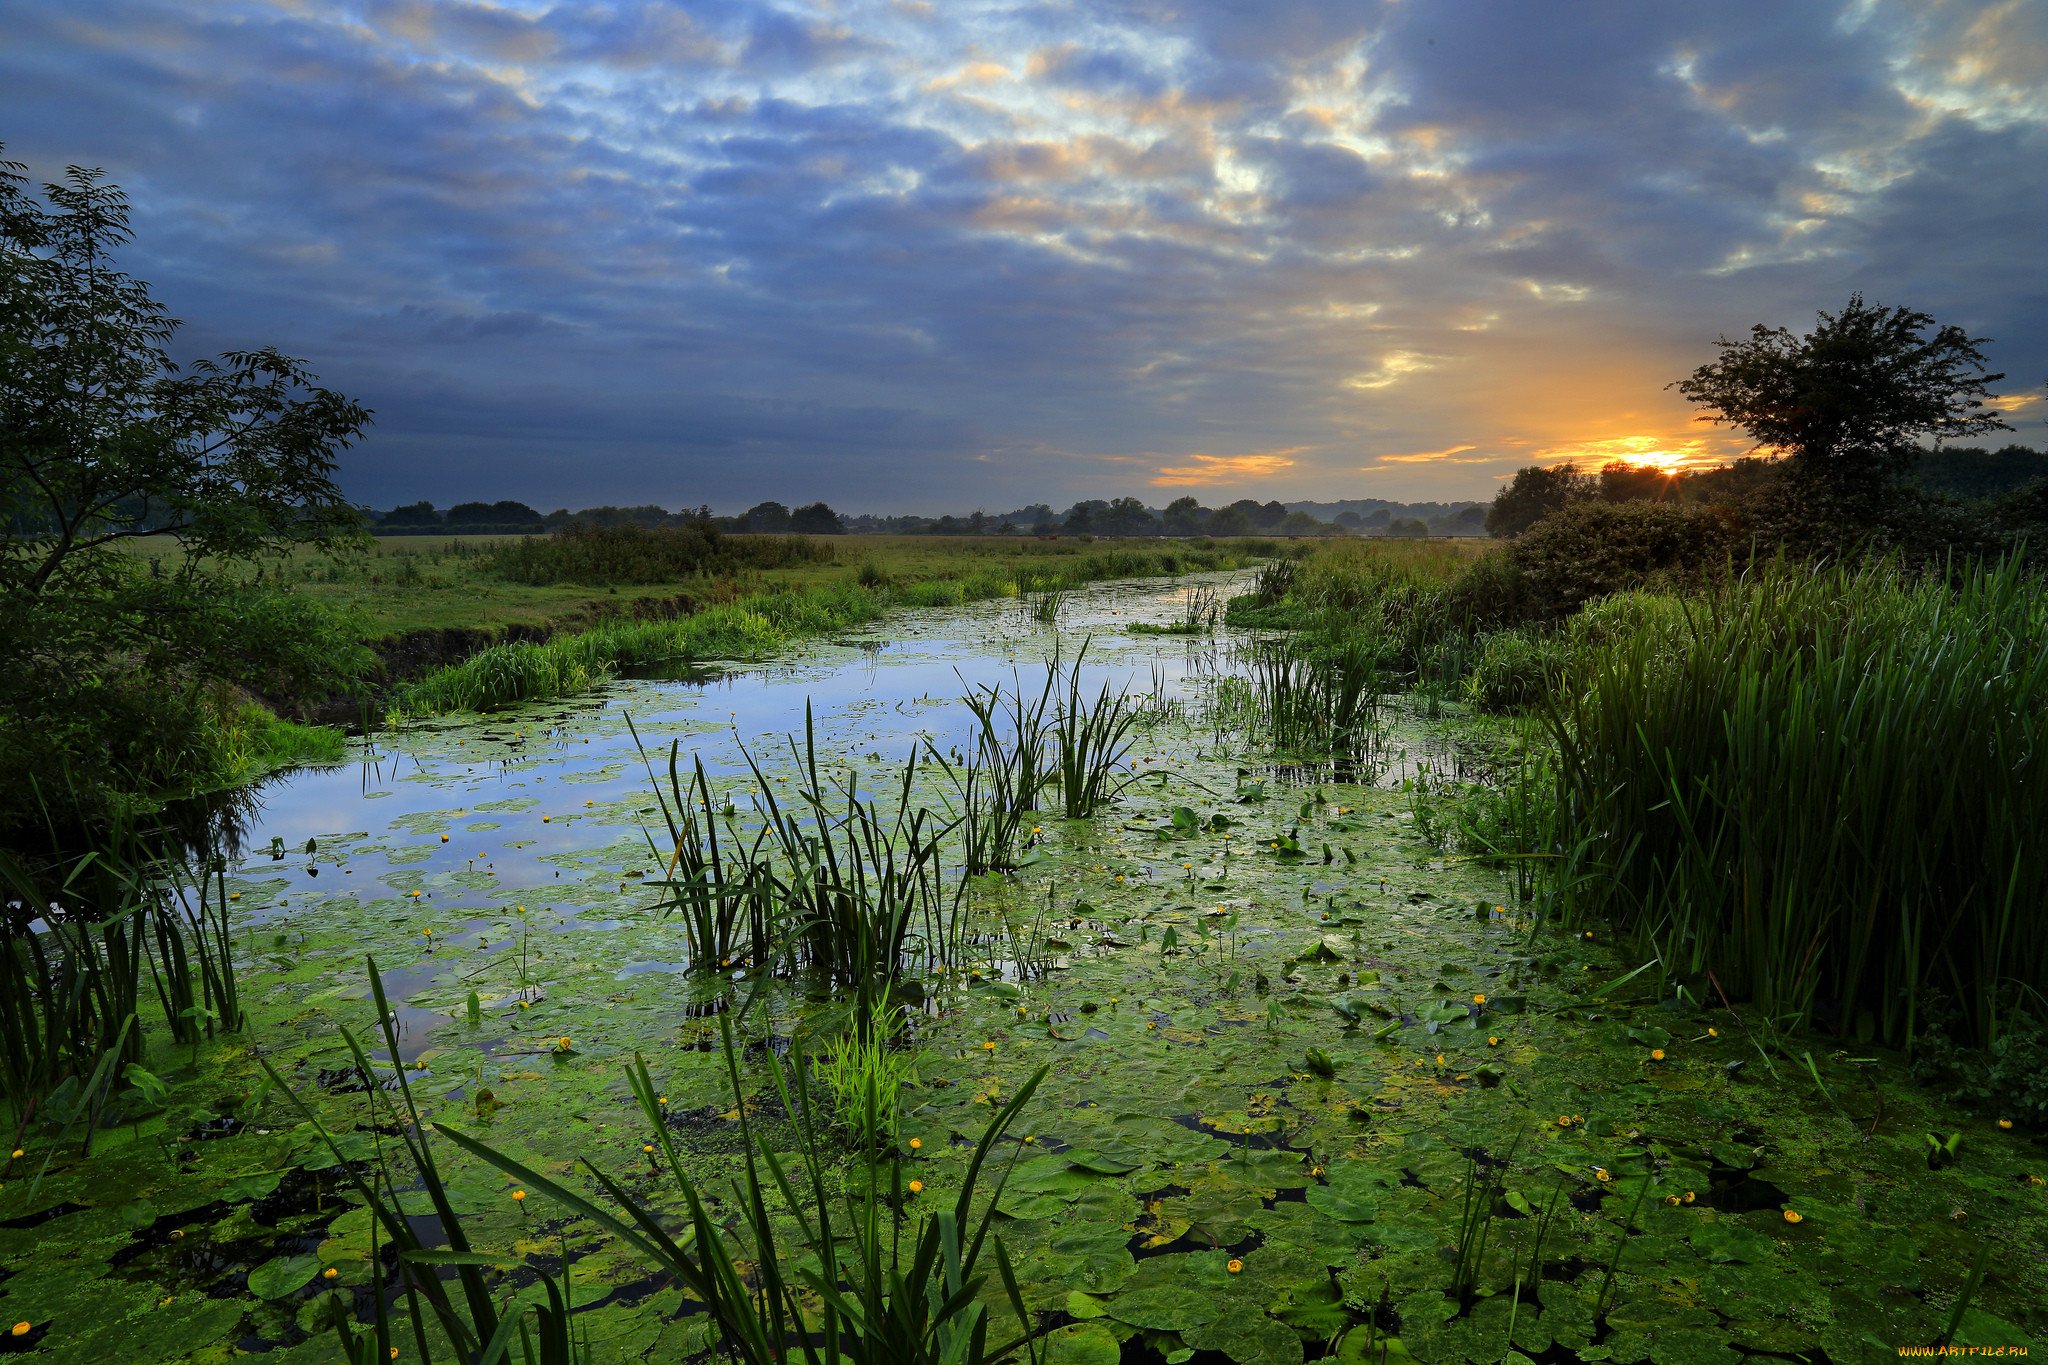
920,256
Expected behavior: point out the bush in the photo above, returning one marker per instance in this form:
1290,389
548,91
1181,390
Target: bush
1515,670
1589,549
586,553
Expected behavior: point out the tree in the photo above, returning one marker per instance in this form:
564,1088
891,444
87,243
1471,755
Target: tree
1182,517
504,515
1621,481
1126,517
816,520
1408,528
1533,494
411,514
106,441
1229,521
115,680
1849,402
765,516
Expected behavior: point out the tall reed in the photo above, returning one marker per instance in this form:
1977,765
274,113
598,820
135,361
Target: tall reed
856,886
1820,787
998,780
854,1288
723,890
473,1326
1319,692
81,943
1090,739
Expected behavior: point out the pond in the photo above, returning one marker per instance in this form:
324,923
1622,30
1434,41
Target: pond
1287,1039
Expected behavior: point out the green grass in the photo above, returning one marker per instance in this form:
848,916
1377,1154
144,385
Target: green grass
761,622
1810,789
398,584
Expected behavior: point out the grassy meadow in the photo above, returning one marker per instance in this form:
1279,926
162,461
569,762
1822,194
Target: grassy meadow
396,584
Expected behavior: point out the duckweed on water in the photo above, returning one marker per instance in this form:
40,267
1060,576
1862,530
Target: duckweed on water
1191,1184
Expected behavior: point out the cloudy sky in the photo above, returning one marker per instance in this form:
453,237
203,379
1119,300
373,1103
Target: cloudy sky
919,255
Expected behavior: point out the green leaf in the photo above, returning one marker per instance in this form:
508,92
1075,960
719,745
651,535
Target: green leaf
285,1275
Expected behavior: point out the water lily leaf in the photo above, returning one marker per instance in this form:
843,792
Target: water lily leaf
1102,1163
1084,1306
274,1279
1166,1307
1082,1343
250,1187
1343,1207
1246,1333
1329,948
1726,1241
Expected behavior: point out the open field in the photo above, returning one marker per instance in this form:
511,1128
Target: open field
405,583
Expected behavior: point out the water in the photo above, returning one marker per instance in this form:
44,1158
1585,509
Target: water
507,849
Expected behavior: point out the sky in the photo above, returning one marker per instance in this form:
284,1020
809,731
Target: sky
928,255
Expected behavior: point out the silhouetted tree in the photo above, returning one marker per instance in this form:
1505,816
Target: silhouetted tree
766,516
1229,521
1183,517
1126,517
1849,401
1621,481
505,514
816,520
1534,493
411,514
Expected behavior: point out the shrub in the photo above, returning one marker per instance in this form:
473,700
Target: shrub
1515,670
587,553
1589,549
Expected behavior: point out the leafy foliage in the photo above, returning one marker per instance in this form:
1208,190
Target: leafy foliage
120,682
1849,400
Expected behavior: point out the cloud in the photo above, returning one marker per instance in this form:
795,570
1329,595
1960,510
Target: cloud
1210,470
1449,453
791,248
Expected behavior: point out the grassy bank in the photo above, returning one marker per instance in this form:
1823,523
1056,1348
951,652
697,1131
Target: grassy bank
398,584
1801,789
759,622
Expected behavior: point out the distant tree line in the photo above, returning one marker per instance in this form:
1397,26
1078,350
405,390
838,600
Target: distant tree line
515,518
1995,485
1183,516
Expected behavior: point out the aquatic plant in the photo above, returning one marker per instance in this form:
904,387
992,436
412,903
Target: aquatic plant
1090,739
998,781
853,883
864,1071
475,1328
722,891
1318,693
82,940
860,1290
1812,790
